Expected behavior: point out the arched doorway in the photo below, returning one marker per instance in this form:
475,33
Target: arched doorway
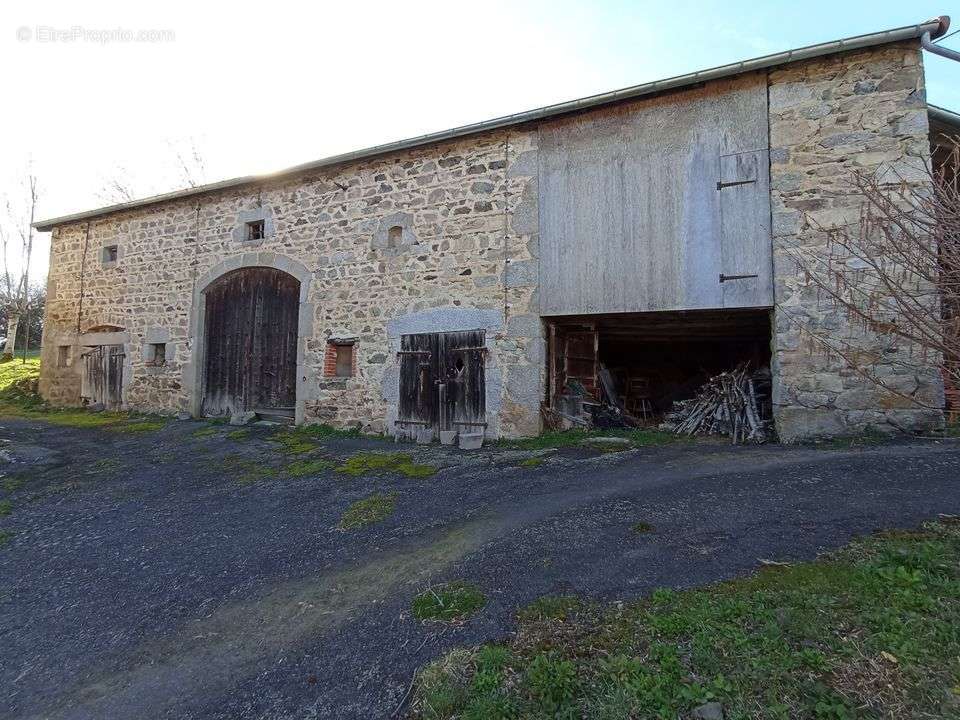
250,339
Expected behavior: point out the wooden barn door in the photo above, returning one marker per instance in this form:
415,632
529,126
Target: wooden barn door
250,321
102,382
462,386
442,383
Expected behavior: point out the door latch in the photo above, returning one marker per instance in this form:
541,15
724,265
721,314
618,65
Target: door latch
724,278
721,185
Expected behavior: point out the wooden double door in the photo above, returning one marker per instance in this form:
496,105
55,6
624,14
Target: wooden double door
442,383
251,317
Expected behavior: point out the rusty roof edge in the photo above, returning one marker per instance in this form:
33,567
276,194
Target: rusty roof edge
941,114
933,26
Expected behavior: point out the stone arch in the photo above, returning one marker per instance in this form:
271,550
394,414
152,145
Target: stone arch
193,369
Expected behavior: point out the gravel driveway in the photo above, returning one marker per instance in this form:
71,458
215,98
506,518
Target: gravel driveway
155,575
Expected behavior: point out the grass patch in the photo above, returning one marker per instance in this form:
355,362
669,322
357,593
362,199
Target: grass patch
205,432
868,438
531,462
641,528
6,507
5,537
12,484
103,465
448,602
551,607
306,438
241,434
141,426
374,462
370,510
247,471
870,631
304,468
19,398
567,438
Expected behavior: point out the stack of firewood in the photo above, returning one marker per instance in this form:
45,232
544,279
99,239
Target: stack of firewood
734,403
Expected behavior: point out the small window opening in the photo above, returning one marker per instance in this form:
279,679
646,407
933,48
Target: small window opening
110,254
256,230
395,236
344,360
63,356
339,358
156,354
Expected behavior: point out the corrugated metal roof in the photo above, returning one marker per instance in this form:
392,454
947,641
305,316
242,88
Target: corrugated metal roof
908,32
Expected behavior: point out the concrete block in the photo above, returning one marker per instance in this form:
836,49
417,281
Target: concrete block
448,437
424,436
471,440
243,418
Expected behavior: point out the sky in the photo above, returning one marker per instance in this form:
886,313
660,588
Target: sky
97,92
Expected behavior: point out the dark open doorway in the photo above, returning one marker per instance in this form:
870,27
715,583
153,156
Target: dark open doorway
250,329
654,359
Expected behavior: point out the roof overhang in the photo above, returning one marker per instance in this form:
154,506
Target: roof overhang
936,27
943,119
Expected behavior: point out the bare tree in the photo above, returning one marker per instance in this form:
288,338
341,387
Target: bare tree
16,289
895,275
188,170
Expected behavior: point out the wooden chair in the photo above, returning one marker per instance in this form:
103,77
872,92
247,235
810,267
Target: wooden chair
638,398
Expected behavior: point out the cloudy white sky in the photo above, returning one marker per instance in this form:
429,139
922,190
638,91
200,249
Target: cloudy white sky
260,86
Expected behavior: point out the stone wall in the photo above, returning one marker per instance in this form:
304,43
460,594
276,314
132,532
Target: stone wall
467,210
445,237
865,111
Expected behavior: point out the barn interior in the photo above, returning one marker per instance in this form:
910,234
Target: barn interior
647,361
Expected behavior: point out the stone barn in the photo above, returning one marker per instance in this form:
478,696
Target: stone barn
456,280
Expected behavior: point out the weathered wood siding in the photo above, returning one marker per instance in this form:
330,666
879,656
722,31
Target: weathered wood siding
636,212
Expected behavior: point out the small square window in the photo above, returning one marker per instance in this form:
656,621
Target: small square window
156,354
339,359
63,356
109,254
256,230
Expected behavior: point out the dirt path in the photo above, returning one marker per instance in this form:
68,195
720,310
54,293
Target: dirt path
163,575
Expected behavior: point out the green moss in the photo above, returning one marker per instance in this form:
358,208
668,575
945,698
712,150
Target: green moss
373,462
307,438
873,623
205,432
141,426
246,471
303,468
5,537
12,484
531,462
641,528
551,607
6,507
370,510
241,434
568,438
451,601
103,465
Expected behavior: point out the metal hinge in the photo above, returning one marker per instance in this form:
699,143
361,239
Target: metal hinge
724,278
721,185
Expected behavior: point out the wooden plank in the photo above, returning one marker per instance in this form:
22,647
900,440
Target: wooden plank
744,188
251,318
630,215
